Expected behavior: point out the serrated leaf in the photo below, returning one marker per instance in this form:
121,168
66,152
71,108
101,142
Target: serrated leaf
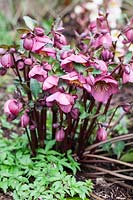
127,157
35,87
30,23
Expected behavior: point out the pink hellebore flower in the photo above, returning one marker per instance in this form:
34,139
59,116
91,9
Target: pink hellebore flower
25,120
128,73
60,135
65,101
46,66
129,35
77,79
93,27
48,51
68,65
101,134
12,108
104,40
102,24
101,65
59,40
38,73
40,42
39,31
7,60
50,82
28,41
103,88
28,61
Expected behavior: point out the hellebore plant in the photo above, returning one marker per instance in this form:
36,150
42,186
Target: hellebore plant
74,86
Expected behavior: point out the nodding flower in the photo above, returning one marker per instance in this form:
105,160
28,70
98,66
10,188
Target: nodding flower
59,40
38,73
7,60
25,120
64,101
128,73
103,87
60,135
12,108
50,82
68,63
101,134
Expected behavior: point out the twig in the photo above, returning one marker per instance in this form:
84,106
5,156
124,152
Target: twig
109,159
119,138
95,196
119,183
111,172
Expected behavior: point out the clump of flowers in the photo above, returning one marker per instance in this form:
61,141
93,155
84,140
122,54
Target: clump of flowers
72,87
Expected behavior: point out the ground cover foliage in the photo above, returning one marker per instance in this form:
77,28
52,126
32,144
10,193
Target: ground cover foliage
41,177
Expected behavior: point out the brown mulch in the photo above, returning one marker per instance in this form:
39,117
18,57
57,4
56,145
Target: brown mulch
110,191
5,196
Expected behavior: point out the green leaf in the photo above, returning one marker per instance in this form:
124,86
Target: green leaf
49,145
4,184
127,157
23,30
84,115
106,147
118,148
127,57
96,72
30,23
79,67
35,87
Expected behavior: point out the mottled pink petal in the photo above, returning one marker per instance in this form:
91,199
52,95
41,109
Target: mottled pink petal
50,82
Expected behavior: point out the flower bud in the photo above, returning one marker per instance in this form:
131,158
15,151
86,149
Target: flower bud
7,60
101,134
25,120
28,61
75,113
12,50
127,69
20,64
39,31
107,55
59,40
32,127
28,43
60,135
2,71
55,125
46,66
126,107
12,108
129,35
